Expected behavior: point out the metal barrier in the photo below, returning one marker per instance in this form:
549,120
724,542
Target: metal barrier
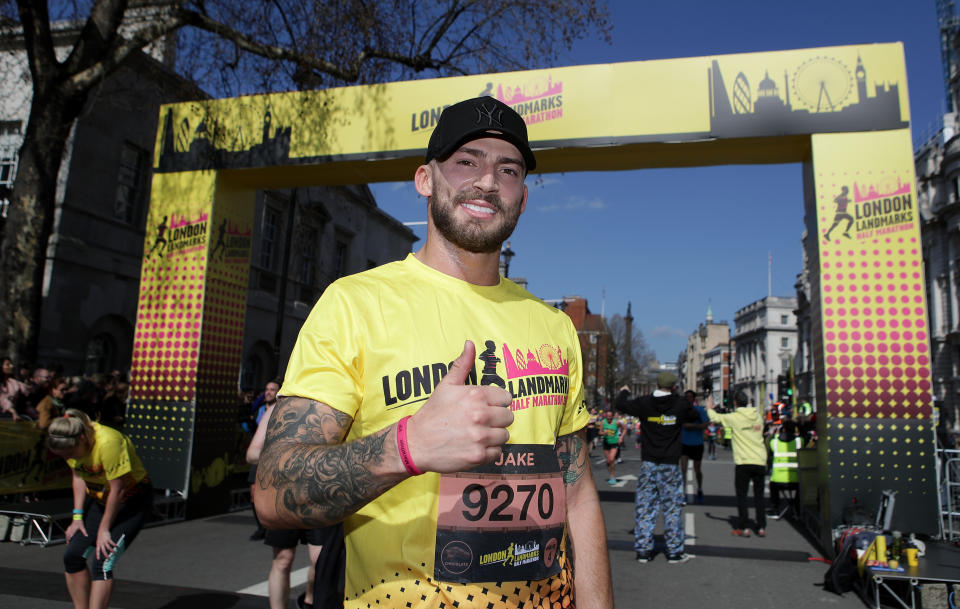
44,523
949,477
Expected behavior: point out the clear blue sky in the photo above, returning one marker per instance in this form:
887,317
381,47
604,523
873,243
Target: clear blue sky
707,239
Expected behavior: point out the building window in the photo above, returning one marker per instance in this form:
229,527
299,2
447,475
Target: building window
129,183
99,354
269,238
307,262
306,255
8,165
340,258
784,320
10,128
785,342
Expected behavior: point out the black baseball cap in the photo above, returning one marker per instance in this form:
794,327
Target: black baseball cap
475,118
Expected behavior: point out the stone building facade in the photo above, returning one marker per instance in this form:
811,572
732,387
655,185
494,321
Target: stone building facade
708,336
937,166
766,340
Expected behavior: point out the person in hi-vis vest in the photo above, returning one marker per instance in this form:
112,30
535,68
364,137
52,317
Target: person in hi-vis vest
783,471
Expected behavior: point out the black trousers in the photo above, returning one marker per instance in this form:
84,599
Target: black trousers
777,487
743,476
330,571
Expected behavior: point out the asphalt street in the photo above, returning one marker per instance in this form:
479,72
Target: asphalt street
210,563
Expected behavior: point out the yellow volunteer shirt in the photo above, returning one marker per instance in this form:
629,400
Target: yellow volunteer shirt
374,347
746,426
112,456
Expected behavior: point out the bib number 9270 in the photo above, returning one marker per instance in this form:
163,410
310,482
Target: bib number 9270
508,503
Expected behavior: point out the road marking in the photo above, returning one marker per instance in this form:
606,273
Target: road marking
689,532
297,578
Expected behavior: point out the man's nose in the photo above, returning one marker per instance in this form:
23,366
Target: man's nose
486,179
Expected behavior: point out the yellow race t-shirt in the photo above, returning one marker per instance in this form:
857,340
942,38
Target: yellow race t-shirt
112,456
374,347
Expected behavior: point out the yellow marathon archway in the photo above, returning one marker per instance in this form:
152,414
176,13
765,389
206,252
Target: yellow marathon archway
840,111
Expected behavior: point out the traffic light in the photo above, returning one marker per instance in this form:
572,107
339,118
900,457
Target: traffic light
783,388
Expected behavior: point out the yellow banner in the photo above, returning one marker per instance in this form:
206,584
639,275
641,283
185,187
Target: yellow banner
875,337
834,89
26,466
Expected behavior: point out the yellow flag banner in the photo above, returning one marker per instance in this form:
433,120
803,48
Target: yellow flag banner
26,466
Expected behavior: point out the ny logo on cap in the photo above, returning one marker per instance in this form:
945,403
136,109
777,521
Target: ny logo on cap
492,115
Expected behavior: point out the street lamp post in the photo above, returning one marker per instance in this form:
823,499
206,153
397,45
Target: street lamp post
505,255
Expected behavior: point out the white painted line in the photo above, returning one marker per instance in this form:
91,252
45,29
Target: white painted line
690,533
297,578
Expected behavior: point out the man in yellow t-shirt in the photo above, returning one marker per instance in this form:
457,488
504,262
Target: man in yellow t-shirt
436,408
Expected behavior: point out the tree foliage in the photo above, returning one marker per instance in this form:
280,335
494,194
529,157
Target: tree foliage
629,361
234,47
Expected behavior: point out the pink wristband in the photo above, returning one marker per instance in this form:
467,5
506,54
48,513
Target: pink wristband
403,449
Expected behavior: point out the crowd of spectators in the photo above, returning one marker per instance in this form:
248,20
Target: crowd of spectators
41,393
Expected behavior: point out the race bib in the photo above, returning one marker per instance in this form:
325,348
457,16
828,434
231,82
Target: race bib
502,521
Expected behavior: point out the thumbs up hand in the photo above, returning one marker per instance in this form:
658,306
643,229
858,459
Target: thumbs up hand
460,426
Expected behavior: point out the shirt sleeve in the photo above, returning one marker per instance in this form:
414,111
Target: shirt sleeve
713,415
575,415
326,361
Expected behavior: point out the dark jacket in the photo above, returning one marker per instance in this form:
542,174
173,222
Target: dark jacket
661,423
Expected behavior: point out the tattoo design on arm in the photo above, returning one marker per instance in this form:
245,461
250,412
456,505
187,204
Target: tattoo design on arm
317,478
571,450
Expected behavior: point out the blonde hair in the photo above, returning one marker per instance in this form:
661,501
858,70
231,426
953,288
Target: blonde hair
65,432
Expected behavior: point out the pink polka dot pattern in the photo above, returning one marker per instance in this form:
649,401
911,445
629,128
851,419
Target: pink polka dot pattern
875,344
166,346
188,345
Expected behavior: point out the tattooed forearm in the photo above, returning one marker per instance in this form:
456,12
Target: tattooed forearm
571,450
314,478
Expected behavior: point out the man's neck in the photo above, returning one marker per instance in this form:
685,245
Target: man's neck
478,269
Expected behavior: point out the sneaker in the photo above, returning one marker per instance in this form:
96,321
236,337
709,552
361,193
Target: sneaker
741,532
644,557
612,481
259,534
619,460
761,533
302,602
683,501
675,559
700,497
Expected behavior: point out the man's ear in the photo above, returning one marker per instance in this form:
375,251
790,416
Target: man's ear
523,204
423,181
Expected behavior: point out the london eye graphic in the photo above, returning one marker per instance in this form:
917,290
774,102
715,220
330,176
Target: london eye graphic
823,84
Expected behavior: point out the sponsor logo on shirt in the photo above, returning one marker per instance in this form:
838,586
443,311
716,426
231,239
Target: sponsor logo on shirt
664,419
535,378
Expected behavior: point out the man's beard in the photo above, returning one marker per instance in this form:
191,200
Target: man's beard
471,235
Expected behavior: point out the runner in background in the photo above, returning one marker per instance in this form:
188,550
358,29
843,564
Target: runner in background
612,432
692,445
112,498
